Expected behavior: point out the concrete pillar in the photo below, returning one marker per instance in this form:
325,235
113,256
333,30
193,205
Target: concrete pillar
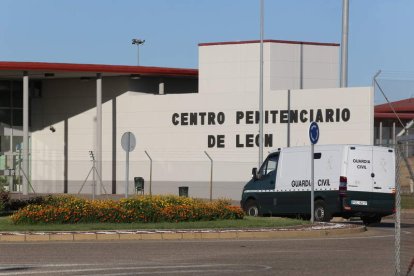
394,140
161,87
380,134
25,150
98,154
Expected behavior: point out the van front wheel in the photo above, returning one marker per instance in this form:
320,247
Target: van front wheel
321,211
251,208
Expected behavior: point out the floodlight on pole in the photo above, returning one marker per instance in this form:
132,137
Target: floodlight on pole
137,41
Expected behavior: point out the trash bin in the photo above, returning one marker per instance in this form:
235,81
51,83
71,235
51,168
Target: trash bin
139,184
183,191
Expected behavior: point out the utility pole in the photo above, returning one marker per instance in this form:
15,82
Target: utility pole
344,44
261,84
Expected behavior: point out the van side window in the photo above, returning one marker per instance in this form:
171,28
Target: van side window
269,165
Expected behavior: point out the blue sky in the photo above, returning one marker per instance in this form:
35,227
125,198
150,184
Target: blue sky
100,31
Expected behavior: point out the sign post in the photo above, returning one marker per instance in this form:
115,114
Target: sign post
128,143
313,137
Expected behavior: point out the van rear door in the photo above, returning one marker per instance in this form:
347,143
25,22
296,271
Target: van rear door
360,169
383,170
360,181
383,175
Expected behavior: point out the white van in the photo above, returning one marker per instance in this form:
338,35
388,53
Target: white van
350,180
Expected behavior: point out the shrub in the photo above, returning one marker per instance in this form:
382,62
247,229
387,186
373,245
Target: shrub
4,200
10,205
69,209
16,204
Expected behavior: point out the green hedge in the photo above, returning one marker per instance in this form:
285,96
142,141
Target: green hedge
69,209
8,205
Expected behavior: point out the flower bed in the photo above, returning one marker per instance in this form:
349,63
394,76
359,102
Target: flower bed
69,209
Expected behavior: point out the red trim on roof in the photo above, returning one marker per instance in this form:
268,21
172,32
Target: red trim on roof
269,40
98,68
406,116
403,108
406,105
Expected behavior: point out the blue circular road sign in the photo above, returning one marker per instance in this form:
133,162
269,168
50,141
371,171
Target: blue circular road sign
314,133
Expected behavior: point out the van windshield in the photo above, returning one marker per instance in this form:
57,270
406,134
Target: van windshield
269,165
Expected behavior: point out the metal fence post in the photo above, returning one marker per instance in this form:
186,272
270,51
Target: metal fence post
397,224
150,185
288,124
211,176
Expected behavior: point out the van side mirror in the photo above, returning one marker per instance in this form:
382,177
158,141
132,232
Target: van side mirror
254,173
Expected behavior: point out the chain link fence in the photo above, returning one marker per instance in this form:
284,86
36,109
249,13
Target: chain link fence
394,127
203,178
404,216
404,203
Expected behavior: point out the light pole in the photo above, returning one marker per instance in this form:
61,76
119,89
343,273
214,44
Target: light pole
261,84
138,42
344,44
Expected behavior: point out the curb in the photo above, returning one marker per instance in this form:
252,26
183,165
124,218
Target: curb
316,231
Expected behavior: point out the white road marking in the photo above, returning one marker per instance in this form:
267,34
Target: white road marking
310,250
283,239
137,269
184,271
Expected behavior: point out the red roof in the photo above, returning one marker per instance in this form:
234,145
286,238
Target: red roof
95,68
403,108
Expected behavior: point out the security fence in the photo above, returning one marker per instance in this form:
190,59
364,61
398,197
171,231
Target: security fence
204,178
404,216
394,127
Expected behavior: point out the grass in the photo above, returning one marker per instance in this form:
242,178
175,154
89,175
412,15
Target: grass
247,222
407,201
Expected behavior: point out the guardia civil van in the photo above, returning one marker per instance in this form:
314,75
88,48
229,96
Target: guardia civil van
349,181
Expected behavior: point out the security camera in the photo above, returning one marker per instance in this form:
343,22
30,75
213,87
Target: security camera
52,129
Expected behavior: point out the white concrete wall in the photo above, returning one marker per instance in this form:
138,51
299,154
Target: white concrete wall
226,68
297,66
177,150
229,68
69,106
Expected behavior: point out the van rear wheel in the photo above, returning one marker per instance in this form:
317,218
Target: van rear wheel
251,208
321,212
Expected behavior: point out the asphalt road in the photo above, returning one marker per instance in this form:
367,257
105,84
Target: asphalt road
369,253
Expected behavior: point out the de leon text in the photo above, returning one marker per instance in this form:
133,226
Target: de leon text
242,140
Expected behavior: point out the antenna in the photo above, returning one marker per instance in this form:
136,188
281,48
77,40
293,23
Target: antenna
93,169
